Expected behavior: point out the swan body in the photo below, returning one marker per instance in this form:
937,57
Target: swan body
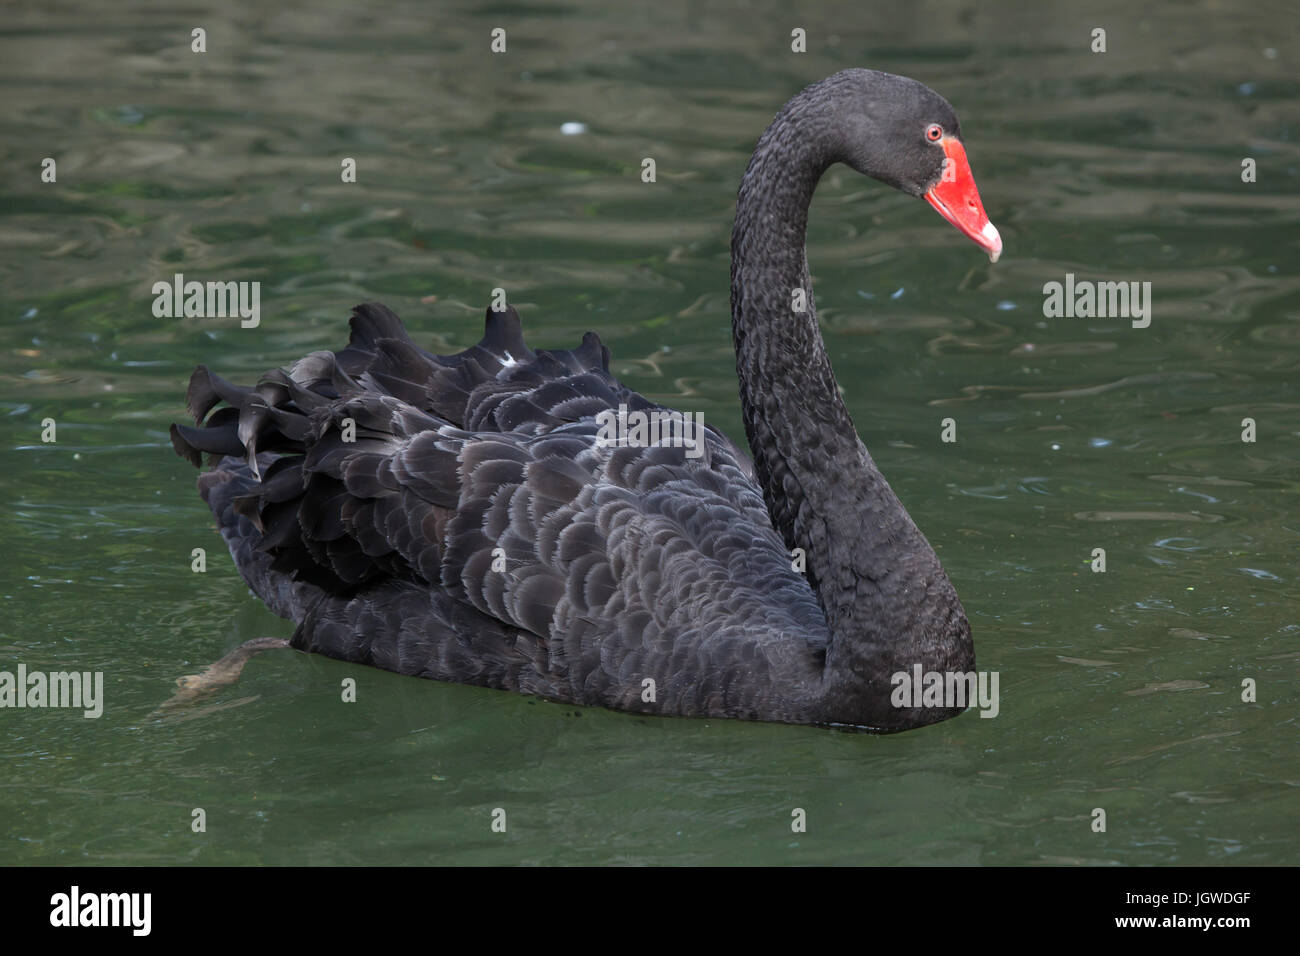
464,518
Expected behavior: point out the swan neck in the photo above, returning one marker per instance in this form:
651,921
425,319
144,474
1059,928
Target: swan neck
812,467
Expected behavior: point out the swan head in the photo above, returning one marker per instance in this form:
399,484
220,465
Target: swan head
906,135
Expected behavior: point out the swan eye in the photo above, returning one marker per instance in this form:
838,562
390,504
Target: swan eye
934,132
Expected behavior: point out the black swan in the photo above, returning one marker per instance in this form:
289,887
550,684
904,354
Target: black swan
465,518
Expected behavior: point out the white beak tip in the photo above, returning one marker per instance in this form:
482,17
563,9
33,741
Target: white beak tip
994,239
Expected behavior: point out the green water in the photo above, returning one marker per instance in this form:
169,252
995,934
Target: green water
1072,434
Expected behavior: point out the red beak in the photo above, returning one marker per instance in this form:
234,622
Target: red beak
958,201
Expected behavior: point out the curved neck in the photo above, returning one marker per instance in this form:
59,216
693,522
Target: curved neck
823,491
812,467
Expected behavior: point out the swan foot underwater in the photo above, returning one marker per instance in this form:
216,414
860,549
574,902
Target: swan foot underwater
192,689
463,518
